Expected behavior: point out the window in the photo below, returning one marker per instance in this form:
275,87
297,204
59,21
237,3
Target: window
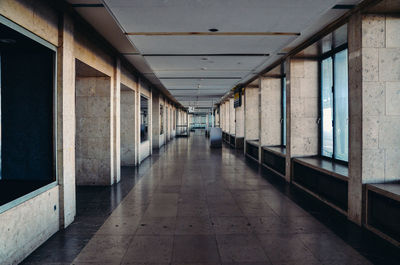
283,120
27,101
144,108
161,119
334,106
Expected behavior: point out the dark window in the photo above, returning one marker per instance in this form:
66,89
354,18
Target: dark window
334,106
144,118
27,102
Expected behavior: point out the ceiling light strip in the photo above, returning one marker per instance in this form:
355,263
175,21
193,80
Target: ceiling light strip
209,54
199,77
213,33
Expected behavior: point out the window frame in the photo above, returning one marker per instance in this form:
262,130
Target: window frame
329,54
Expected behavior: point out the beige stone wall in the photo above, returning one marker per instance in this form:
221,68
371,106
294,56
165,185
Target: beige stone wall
227,116
271,111
374,96
239,125
232,117
128,128
303,102
28,225
251,112
93,129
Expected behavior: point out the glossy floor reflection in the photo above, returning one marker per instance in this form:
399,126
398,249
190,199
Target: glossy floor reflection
195,205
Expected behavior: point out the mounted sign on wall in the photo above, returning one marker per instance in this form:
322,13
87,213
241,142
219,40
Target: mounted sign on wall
237,98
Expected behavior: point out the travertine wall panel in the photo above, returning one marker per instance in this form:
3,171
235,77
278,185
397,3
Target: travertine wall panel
232,117
252,112
271,111
28,225
304,107
227,116
239,125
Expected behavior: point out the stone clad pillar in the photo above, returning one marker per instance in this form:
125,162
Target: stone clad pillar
232,118
302,99
374,109
271,111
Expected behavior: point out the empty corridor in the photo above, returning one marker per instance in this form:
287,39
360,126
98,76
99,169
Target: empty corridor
196,205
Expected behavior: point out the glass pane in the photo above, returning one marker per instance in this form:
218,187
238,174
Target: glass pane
327,108
284,112
143,119
341,107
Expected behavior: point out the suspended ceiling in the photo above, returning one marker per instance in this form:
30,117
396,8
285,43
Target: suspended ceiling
169,40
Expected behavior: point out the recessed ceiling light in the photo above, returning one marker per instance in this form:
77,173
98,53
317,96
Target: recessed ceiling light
213,30
8,41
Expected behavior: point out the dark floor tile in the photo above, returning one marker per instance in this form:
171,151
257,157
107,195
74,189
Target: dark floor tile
225,209
240,248
231,225
193,209
156,226
104,249
194,225
149,249
195,249
285,248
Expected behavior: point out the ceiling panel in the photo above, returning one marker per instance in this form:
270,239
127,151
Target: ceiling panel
228,74
233,15
209,44
231,63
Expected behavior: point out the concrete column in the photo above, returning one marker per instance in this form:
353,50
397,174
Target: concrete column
66,121
232,118
137,123
127,126
116,122
374,112
156,131
239,125
271,111
302,110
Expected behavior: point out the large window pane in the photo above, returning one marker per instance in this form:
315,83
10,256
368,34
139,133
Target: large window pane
327,108
144,108
341,106
284,111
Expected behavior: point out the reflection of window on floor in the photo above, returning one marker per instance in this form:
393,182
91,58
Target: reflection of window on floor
334,106
27,85
144,103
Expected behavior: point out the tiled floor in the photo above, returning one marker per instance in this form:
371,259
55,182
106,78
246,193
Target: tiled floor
195,205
